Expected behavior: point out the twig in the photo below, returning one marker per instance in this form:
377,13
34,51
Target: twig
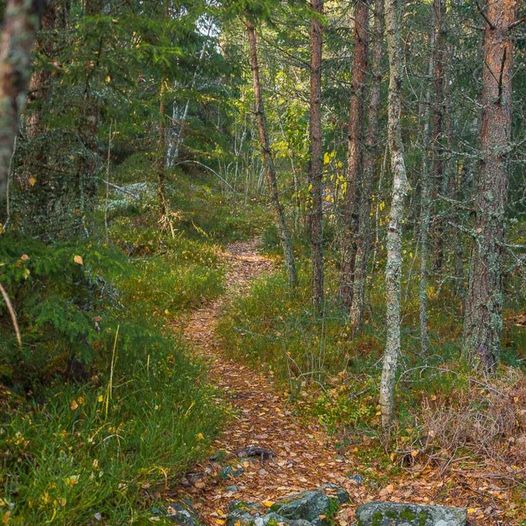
12,314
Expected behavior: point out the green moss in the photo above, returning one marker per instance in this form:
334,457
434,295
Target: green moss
378,517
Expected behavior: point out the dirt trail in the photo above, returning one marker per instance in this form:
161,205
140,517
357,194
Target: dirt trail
303,455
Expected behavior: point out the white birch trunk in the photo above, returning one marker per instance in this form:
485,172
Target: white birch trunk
394,235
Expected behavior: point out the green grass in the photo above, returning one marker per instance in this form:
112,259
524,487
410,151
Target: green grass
335,376
106,437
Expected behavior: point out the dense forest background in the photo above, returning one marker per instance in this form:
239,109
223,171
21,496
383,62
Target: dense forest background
377,152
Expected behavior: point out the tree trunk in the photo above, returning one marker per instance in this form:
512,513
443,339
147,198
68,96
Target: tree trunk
21,22
438,173
315,165
161,151
426,183
483,309
355,153
268,161
39,86
393,270
363,239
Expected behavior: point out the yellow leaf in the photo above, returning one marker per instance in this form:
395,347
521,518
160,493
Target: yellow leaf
268,503
78,260
73,480
73,405
219,521
100,398
200,436
32,181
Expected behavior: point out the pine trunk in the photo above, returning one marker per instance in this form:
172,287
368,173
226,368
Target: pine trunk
268,161
315,165
483,309
438,172
363,239
393,271
21,22
354,151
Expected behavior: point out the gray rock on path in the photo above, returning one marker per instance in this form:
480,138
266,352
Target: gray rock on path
183,515
309,508
400,514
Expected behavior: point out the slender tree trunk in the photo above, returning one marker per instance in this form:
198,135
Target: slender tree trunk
161,151
315,165
438,172
355,150
268,161
21,22
426,203
483,309
393,270
363,239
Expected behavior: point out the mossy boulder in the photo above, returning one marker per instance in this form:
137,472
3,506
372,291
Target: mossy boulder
312,506
400,514
309,508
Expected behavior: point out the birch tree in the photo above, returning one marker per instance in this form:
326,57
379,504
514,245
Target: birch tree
393,270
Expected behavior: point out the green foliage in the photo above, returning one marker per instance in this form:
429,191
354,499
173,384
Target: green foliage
103,407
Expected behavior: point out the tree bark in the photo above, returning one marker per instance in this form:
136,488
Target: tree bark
394,234
484,301
268,161
39,86
315,164
355,150
426,184
438,172
363,239
161,151
21,22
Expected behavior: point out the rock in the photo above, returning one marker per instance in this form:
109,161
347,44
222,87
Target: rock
183,515
399,514
243,513
255,451
232,489
356,478
336,491
308,506
229,471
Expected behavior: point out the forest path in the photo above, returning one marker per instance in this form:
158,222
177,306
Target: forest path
303,455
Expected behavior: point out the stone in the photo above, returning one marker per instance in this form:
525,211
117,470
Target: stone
356,478
243,513
340,493
183,515
255,452
401,514
229,471
308,506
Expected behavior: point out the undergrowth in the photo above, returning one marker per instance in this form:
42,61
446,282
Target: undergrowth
102,407
335,378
